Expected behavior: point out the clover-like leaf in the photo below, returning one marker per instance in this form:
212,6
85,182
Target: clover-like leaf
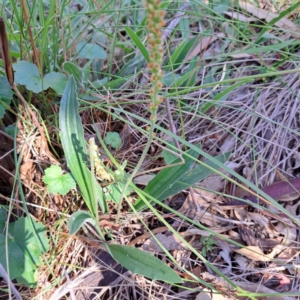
113,139
58,183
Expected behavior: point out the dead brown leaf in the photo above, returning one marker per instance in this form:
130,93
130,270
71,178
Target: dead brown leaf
247,286
203,44
256,254
26,171
269,16
170,242
143,179
239,16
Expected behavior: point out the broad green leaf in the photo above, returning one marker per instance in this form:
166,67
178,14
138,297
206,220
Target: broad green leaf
10,130
74,146
71,69
137,42
56,81
143,263
28,277
90,51
27,73
39,242
168,156
57,182
6,92
173,180
15,257
3,219
78,219
24,249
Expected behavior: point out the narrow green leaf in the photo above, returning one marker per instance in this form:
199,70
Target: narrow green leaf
169,182
197,174
181,80
132,66
193,68
137,42
166,178
71,69
143,263
219,96
180,54
78,219
73,143
168,156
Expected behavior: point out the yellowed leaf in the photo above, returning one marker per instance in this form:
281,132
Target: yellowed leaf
240,55
253,253
170,242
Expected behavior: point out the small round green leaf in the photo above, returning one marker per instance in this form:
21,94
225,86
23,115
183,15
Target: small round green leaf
57,182
113,139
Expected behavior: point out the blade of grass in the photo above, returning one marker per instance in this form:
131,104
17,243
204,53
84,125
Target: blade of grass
137,42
